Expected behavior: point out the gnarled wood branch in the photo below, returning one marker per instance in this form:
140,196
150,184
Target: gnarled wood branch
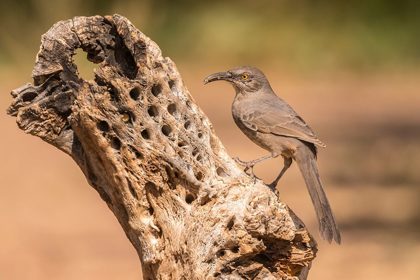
152,155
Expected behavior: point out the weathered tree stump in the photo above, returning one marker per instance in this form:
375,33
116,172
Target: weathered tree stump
152,155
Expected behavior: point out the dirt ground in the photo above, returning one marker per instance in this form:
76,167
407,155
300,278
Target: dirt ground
54,226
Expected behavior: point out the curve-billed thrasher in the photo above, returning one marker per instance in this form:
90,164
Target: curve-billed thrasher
273,125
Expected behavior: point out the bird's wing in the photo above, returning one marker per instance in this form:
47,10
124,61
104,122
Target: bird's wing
280,119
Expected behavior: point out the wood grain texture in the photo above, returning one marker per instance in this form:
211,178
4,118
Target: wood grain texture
152,155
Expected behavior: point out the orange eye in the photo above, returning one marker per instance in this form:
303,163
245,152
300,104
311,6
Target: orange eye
244,77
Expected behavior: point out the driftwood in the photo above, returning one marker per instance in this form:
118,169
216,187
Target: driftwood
152,155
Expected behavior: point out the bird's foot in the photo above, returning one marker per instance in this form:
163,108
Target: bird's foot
273,186
249,165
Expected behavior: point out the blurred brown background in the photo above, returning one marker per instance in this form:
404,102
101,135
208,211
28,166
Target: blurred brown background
349,68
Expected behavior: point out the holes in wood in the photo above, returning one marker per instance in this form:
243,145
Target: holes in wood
135,93
168,171
153,111
153,168
124,57
171,85
29,96
113,93
196,154
200,135
235,249
125,116
138,154
261,258
85,69
230,224
221,253
116,143
187,125
128,117
145,134
166,130
182,144
221,172
151,211
189,198
103,126
150,185
199,176
156,90
172,110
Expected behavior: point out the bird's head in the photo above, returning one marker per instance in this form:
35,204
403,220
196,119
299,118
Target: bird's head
245,79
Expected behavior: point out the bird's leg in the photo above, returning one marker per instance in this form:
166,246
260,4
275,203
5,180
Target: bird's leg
250,164
287,163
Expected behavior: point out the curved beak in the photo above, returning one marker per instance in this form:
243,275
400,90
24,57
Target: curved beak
218,76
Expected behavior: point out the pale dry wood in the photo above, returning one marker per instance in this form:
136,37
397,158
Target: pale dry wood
152,155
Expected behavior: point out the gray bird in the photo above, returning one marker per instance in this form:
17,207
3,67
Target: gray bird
274,126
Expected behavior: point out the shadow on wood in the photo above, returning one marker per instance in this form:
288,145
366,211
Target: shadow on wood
152,155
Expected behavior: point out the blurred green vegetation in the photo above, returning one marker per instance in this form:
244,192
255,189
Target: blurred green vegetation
299,35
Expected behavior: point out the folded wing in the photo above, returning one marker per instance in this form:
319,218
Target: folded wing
280,119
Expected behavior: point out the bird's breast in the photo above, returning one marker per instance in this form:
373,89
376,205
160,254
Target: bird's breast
238,110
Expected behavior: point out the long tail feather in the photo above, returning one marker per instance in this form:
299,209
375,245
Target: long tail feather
327,226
